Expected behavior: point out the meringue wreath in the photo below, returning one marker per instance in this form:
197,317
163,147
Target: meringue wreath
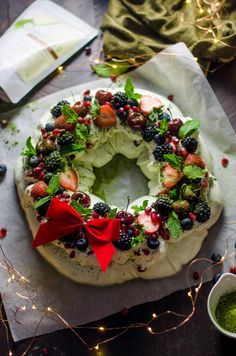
85,238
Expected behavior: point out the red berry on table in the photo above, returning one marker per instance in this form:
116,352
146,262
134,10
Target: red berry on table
170,97
3,232
233,270
39,190
196,275
87,50
224,162
4,123
113,78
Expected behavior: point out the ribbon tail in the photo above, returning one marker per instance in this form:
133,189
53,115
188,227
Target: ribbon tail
104,254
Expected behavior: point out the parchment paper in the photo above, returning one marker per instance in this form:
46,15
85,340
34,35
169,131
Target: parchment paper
173,71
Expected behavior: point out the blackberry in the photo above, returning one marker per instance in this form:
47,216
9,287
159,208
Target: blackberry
56,110
124,243
163,205
66,138
202,212
190,144
159,151
119,100
149,133
42,209
101,208
53,161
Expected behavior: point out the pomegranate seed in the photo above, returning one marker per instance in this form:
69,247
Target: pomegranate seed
127,107
233,270
87,122
56,132
3,233
86,92
224,162
87,51
41,165
123,228
45,351
196,275
148,211
113,78
125,312
155,217
155,235
108,103
43,131
86,104
41,175
203,184
170,97
80,120
135,108
175,140
192,216
37,169
136,232
72,254
146,251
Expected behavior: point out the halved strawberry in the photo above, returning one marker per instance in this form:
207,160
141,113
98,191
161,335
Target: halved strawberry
39,190
149,226
171,176
106,117
60,123
69,180
196,160
147,103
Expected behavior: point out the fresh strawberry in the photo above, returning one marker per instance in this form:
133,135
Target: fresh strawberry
80,109
39,190
69,180
103,96
192,159
106,117
150,225
171,176
60,123
147,103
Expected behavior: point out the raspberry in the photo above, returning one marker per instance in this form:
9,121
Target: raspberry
159,151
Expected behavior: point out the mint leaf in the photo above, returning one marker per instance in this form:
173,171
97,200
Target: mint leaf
54,185
82,132
173,194
71,148
85,212
29,151
94,109
188,128
129,89
142,207
70,114
112,213
42,201
174,160
173,225
193,172
138,239
154,114
163,127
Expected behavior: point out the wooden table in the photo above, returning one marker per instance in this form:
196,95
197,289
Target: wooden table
196,338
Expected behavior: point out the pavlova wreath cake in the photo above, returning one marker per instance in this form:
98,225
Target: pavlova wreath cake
83,237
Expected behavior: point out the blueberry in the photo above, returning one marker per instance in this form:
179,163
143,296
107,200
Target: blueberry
3,170
153,243
82,244
216,257
130,232
87,98
164,115
216,277
47,177
49,127
159,139
34,161
132,102
186,224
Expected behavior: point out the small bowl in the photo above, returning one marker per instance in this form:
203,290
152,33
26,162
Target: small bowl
226,284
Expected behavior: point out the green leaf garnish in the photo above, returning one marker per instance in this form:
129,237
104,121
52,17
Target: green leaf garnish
71,148
154,114
42,201
142,207
174,160
173,194
163,127
94,109
129,89
82,132
70,114
85,212
29,151
194,172
54,185
173,225
188,128
138,239
112,213
111,68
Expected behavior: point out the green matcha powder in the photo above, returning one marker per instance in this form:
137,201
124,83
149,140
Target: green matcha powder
226,312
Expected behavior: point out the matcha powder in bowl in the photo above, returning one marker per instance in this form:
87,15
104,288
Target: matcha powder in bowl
226,312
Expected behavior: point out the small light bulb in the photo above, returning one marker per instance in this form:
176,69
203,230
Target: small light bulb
201,10
10,353
97,61
114,66
60,68
222,259
34,307
96,347
215,40
49,309
196,290
101,328
209,11
150,329
23,308
189,294
196,59
154,315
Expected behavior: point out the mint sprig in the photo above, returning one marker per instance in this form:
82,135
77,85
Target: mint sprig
174,160
85,212
70,114
82,132
163,127
42,201
94,109
129,89
139,208
194,172
29,151
188,128
173,225
154,114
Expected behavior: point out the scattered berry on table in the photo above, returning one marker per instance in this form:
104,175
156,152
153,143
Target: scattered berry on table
82,244
216,257
196,275
87,51
49,127
39,190
3,170
160,151
4,123
153,243
3,232
159,139
101,208
170,97
163,205
233,269
56,110
224,162
216,277
149,133
119,100
53,161
124,243
34,161
190,143
186,224
202,212
66,138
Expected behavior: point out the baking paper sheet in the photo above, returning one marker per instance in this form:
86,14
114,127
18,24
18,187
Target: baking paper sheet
173,71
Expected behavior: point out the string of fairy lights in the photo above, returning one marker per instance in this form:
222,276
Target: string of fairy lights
28,305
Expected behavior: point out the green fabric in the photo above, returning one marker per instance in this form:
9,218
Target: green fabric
140,28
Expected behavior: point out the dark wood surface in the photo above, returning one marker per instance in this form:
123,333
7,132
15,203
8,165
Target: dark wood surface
196,338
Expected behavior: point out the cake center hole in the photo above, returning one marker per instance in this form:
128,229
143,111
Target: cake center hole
119,179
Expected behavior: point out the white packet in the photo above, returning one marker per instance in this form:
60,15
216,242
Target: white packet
44,36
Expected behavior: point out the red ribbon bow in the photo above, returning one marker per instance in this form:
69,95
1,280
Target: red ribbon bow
64,220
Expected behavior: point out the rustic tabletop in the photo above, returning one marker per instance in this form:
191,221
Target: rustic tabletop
198,337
